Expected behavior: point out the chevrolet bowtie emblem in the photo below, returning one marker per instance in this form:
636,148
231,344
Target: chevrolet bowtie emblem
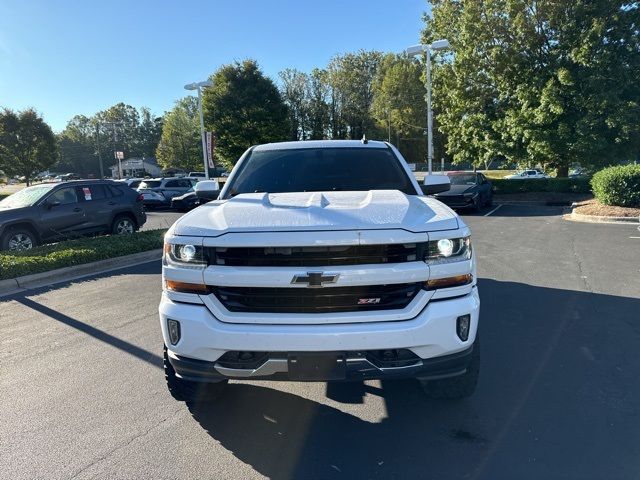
315,279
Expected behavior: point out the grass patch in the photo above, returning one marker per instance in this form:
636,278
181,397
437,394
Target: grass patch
77,252
496,174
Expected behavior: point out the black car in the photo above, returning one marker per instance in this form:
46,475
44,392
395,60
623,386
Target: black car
186,201
54,211
468,190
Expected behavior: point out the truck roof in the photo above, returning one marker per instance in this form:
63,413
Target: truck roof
320,144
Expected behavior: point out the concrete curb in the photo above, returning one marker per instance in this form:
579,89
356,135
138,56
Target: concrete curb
43,279
578,217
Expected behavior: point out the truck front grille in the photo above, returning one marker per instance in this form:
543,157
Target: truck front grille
315,256
316,300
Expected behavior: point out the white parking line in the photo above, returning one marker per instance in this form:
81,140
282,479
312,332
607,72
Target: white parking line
489,213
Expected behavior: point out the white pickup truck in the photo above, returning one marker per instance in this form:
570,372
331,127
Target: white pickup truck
320,261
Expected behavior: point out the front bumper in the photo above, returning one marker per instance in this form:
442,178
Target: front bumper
356,367
141,218
152,202
429,336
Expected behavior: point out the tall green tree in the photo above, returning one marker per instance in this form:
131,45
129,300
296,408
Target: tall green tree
87,140
351,78
399,106
244,108
78,147
119,127
180,144
28,143
149,132
538,82
318,104
293,88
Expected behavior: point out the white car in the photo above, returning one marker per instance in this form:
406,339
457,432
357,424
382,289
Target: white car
131,182
152,199
526,175
320,260
168,187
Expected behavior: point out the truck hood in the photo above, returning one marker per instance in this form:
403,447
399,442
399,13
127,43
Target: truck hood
309,211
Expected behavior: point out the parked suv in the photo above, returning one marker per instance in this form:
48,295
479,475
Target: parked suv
54,211
167,187
320,260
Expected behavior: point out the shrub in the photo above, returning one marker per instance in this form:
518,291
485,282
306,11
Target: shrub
619,185
76,252
562,185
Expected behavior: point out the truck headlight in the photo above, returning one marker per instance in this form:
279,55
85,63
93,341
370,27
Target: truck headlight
184,255
448,250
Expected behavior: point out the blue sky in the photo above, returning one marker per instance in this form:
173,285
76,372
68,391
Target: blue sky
77,57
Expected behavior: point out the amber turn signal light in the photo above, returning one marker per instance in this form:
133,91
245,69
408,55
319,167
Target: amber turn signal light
448,282
184,287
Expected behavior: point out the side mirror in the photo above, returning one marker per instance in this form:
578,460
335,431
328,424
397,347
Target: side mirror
52,203
435,184
207,190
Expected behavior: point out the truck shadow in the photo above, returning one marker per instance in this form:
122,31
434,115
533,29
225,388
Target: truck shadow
558,398
283,435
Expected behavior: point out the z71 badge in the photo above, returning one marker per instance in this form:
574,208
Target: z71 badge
368,301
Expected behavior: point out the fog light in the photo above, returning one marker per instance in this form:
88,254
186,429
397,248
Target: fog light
463,324
174,331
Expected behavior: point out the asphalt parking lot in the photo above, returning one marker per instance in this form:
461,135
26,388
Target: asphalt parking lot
157,219
82,392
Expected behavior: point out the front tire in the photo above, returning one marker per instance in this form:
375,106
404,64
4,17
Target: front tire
123,225
456,388
477,204
489,203
18,240
190,392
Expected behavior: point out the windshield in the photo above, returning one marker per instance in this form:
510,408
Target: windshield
150,184
26,197
463,179
320,170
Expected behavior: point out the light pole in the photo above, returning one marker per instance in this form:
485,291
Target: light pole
115,155
199,86
426,49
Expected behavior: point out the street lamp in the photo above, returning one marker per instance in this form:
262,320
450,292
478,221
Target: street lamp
426,49
199,86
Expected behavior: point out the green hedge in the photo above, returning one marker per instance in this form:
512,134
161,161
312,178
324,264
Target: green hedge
619,185
76,252
562,185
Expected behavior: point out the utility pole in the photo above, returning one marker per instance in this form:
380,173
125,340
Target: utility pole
199,86
114,139
98,151
426,49
389,120
115,154
429,114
